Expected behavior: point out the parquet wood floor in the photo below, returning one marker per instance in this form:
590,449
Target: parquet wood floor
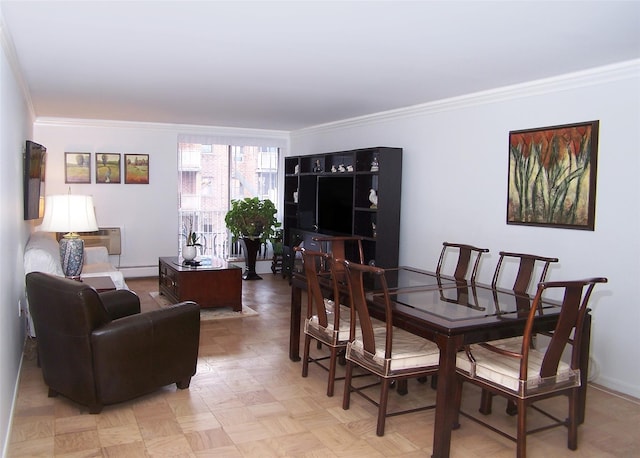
249,400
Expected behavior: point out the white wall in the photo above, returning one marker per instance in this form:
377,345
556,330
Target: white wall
147,214
455,183
15,129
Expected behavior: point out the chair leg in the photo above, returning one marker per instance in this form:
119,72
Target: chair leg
382,408
486,400
521,443
346,397
305,357
512,408
184,383
95,409
332,371
402,387
574,420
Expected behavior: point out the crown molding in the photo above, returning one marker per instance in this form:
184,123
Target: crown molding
599,75
164,127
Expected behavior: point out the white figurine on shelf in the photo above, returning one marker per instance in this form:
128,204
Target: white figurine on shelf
349,168
374,165
334,169
373,198
296,169
341,168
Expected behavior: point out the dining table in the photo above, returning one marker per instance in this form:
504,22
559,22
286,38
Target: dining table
451,313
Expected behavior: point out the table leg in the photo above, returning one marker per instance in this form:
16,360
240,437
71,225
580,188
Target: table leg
445,397
294,326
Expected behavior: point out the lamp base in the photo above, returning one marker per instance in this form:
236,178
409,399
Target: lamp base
71,256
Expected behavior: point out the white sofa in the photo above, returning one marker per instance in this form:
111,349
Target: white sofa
42,254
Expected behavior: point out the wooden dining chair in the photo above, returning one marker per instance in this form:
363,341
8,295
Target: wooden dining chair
342,247
528,374
388,353
528,264
465,255
327,322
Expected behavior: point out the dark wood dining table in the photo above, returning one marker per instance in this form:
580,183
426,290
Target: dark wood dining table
451,314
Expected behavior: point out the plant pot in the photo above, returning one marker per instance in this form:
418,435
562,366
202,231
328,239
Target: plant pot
251,248
189,252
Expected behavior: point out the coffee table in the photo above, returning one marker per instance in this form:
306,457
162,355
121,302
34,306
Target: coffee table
218,284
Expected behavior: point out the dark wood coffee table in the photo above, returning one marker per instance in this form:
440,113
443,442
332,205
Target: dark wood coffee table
216,285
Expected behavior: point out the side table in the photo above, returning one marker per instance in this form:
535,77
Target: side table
100,284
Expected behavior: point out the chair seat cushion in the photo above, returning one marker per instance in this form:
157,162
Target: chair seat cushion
409,352
503,372
330,334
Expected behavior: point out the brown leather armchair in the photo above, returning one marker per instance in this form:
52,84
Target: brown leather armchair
98,349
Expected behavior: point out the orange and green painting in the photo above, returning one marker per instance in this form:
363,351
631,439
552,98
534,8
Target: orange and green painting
552,176
136,168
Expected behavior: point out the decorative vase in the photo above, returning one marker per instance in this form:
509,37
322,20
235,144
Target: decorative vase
71,256
251,247
189,252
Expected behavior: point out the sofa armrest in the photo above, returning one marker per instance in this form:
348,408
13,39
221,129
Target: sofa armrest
146,351
120,303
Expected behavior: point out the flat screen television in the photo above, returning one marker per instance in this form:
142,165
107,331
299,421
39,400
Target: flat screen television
334,210
35,159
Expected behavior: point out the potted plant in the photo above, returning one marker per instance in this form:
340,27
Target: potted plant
192,240
253,222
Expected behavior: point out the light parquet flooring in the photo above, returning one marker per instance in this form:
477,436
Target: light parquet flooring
249,400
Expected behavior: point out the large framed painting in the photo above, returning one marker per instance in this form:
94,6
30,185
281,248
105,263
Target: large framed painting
552,176
136,169
77,167
108,167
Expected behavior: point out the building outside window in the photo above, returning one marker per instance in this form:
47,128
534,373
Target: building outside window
210,176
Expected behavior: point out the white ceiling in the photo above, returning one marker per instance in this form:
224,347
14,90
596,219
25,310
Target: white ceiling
292,64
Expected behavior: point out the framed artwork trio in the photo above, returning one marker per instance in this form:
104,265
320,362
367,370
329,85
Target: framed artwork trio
109,168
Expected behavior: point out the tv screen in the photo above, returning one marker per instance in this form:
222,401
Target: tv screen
335,204
34,173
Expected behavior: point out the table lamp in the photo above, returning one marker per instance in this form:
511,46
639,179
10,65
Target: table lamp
70,214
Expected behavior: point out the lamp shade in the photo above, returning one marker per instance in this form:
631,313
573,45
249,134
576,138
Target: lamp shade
69,213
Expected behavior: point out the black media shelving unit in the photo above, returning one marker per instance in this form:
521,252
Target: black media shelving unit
329,194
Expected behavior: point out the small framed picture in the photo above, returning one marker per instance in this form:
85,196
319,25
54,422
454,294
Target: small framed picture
108,167
77,167
136,169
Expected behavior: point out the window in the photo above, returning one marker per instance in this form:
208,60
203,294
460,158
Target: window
210,176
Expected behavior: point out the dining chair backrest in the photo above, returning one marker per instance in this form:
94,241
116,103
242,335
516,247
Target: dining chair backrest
355,274
314,263
342,247
465,254
526,269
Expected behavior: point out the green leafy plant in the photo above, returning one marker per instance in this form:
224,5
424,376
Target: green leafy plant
253,218
192,239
